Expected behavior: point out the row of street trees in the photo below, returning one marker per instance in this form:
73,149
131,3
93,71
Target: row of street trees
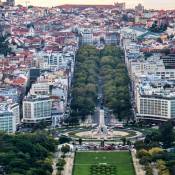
116,81
84,90
61,161
109,64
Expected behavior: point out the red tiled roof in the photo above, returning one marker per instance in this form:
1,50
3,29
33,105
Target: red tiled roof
19,81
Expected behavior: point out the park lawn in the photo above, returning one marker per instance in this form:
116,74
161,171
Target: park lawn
121,160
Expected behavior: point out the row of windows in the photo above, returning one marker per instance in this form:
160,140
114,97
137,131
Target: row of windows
151,112
6,129
154,100
153,107
153,103
5,125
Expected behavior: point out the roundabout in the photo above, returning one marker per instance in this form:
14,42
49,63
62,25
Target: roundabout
102,132
93,135
115,134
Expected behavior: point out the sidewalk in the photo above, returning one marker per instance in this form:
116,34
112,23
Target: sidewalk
69,165
138,168
55,159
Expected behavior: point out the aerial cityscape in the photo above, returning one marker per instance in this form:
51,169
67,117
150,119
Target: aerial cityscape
87,88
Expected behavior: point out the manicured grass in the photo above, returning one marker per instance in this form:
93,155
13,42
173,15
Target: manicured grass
121,162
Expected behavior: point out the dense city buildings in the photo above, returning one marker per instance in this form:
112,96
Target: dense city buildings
149,59
86,89
42,45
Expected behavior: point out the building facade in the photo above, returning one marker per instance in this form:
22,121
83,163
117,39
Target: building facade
155,101
87,37
36,109
7,120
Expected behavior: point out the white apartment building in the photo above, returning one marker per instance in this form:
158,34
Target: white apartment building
40,89
154,108
155,103
51,60
16,112
7,122
154,66
54,60
36,109
87,36
132,51
7,119
132,32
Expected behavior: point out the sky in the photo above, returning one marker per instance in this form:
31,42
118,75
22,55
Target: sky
153,4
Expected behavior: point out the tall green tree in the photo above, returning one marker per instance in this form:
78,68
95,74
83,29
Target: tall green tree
4,46
167,134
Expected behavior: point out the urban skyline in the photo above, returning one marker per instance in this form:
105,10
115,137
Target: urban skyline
158,4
